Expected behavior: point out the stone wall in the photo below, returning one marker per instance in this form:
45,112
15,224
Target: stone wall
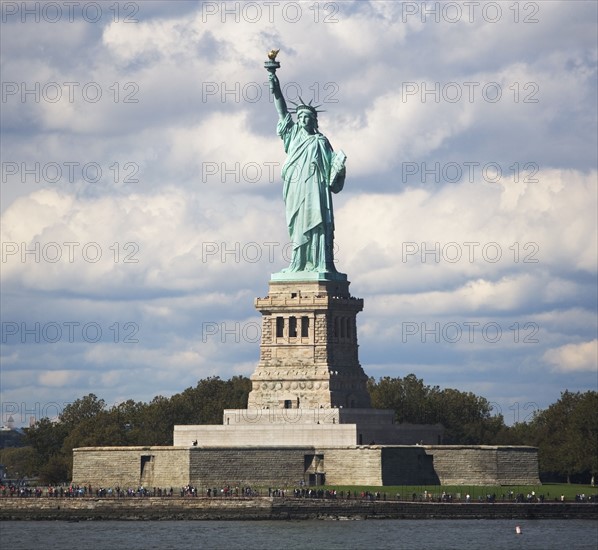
352,465
430,465
408,466
264,467
284,466
517,465
124,466
485,464
398,434
266,417
284,434
276,508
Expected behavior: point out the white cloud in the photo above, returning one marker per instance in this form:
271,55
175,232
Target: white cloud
474,231
59,378
574,357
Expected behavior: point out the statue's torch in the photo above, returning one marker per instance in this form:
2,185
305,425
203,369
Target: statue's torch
271,65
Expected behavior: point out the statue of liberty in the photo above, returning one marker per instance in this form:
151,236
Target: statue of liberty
312,171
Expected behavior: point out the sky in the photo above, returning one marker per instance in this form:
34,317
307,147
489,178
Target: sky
141,196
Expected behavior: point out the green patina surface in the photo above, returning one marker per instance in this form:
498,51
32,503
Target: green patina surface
311,173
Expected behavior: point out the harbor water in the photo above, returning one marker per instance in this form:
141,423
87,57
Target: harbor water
313,534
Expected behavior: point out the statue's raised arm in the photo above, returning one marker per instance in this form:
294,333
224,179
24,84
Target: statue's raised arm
271,65
279,102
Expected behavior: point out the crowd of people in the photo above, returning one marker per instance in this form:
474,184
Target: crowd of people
334,494
73,491
303,492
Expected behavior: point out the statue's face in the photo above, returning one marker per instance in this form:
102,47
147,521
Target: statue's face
307,121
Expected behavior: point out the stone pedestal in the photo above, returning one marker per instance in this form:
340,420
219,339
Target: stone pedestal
308,387
308,351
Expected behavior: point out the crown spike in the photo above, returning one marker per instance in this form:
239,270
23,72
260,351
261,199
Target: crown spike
305,106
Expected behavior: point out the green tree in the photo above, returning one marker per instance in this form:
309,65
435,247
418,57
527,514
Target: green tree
567,435
19,461
157,421
86,408
127,418
409,397
207,401
466,417
57,470
46,438
521,433
53,442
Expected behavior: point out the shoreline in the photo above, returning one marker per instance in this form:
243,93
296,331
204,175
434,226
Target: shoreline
276,508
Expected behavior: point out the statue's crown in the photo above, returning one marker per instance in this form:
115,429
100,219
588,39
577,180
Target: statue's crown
305,107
